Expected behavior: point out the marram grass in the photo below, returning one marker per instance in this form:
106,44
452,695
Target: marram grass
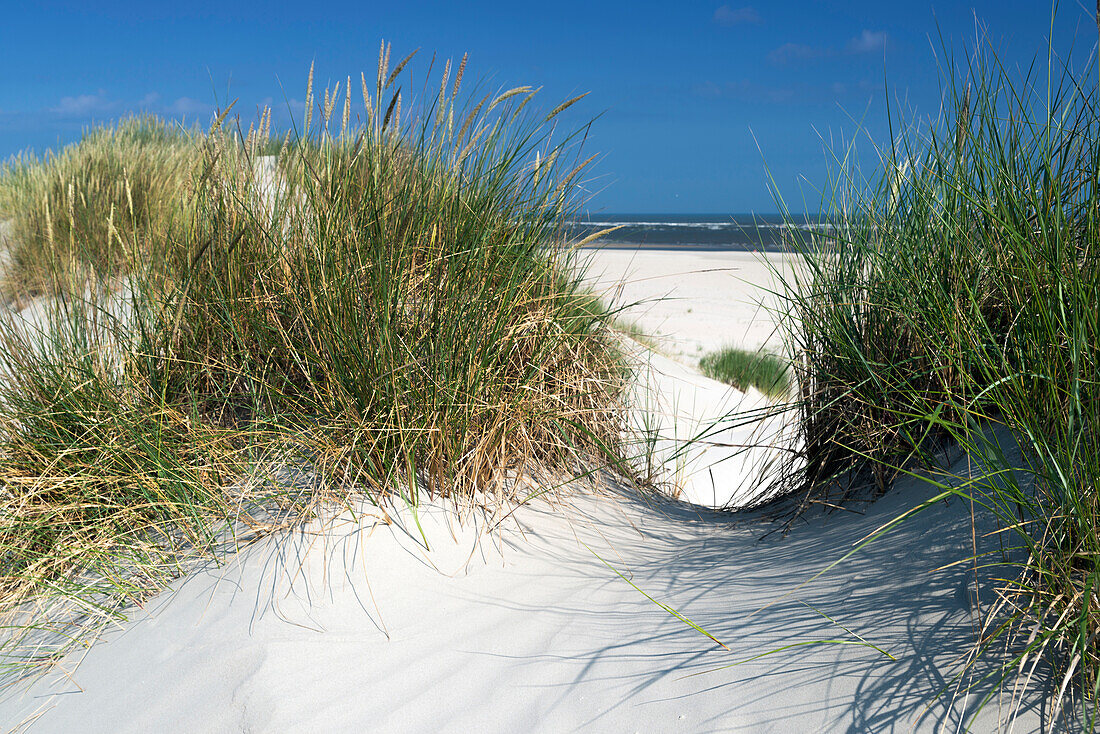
952,299
118,193
390,306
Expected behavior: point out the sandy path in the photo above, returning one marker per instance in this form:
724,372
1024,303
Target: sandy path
690,303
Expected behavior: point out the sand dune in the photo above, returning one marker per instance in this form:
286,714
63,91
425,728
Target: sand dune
353,624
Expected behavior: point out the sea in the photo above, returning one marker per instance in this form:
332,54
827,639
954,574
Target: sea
710,232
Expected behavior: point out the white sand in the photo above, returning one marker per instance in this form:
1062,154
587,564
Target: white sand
355,627
360,630
691,303
356,630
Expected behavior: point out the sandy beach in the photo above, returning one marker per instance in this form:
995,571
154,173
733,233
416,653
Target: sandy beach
692,302
685,304
543,624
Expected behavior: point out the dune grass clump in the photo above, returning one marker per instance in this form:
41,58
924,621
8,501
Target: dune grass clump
743,369
953,301
389,306
118,193
401,294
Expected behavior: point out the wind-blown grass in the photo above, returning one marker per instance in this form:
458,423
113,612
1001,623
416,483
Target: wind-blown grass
118,193
389,307
955,294
744,369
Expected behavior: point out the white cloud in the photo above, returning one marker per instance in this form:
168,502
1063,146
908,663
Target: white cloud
866,42
189,106
82,105
789,52
727,16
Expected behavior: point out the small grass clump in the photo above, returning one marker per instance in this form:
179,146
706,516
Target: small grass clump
744,369
951,300
388,306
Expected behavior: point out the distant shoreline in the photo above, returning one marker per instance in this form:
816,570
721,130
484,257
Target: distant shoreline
687,247
702,233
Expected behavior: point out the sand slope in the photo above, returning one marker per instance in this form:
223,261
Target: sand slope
360,629
690,303
712,445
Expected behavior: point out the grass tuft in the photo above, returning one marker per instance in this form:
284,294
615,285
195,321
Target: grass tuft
117,194
744,369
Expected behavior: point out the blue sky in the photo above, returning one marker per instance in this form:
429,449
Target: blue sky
694,98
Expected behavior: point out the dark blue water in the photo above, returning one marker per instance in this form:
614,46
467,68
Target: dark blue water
740,232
